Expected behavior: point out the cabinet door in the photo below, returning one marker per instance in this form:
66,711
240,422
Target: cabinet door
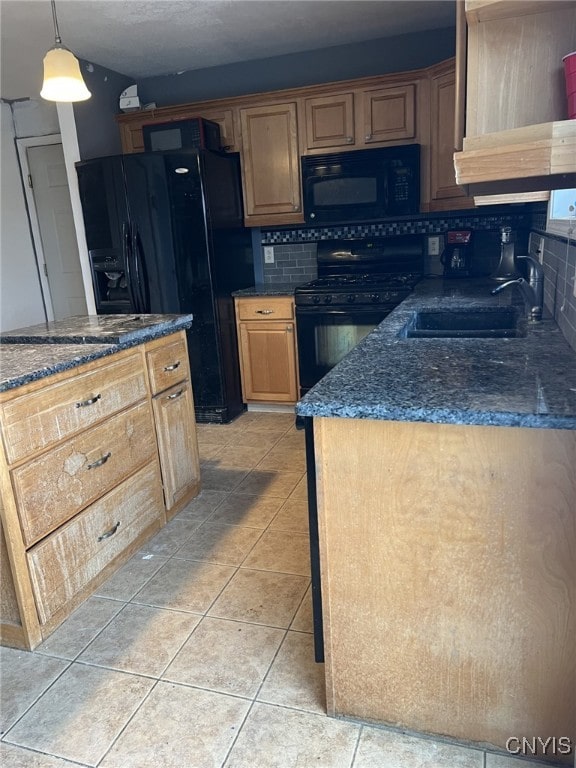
271,164
330,121
131,138
268,361
177,444
389,114
225,119
442,172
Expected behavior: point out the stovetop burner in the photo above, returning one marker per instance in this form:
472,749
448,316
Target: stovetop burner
360,271
363,281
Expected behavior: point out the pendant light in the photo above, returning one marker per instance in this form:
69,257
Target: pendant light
62,78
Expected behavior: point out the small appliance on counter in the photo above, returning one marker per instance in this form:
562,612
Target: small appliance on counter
457,255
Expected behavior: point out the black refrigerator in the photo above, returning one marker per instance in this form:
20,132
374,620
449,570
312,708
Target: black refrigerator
165,235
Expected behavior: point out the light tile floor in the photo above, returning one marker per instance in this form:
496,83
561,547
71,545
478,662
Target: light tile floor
198,652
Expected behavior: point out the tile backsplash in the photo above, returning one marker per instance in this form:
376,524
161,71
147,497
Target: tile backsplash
559,262
295,249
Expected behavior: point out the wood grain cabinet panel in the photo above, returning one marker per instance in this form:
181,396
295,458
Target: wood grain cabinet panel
271,164
330,121
38,420
445,194
267,345
273,308
388,114
167,364
56,485
62,565
89,464
177,444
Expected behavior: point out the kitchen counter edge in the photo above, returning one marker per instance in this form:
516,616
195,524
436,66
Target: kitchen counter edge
23,361
524,382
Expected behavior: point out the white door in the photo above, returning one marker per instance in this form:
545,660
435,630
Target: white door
54,212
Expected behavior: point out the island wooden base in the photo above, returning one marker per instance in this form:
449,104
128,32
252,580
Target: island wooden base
449,584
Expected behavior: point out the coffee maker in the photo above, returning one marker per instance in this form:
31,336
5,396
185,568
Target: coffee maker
457,254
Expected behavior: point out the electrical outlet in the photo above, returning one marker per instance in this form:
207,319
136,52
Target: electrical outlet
434,246
268,254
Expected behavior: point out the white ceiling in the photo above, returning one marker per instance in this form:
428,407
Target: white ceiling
142,38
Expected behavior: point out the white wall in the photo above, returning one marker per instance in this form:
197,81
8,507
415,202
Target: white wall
21,301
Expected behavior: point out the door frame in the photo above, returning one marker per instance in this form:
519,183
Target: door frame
22,146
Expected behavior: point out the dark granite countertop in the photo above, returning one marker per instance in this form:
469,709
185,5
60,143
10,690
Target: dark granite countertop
267,289
524,382
98,329
28,354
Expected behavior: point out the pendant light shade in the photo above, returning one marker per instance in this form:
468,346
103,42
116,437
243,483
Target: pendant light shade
62,77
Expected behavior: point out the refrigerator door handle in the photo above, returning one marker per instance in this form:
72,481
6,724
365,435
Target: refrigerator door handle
140,276
127,253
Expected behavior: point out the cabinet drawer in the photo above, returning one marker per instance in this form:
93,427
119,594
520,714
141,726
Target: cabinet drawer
67,561
262,308
167,364
40,419
53,487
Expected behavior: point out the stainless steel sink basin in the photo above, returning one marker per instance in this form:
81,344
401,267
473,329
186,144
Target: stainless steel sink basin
479,323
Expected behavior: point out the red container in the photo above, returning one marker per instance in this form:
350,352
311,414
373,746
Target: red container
570,76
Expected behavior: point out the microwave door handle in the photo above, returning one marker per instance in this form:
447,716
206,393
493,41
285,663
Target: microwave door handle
127,254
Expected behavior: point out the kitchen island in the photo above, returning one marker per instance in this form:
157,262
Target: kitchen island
98,451
446,500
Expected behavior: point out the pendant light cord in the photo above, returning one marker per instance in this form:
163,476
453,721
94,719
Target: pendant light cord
55,19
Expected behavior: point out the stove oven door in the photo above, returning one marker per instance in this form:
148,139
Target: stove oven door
326,335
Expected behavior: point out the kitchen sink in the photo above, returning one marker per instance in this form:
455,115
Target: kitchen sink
463,323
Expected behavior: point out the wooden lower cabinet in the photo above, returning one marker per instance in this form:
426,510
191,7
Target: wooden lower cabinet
267,345
93,539
93,460
447,560
177,445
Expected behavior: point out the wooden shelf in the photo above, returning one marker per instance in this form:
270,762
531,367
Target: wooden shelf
526,159
486,10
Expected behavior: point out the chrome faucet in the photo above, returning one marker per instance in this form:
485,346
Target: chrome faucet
532,289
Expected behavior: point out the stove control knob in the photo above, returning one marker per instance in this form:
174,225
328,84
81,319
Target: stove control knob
327,299
316,299
375,298
351,298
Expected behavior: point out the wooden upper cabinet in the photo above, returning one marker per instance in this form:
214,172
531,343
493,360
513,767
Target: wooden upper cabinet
225,119
388,114
132,123
444,192
517,137
330,121
271,164
131,137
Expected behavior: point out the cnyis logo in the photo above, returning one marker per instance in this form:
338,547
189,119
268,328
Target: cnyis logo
551,746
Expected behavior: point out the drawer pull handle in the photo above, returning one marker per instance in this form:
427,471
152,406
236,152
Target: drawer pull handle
90,401
100,461
172,367
111,532
175,395
264,311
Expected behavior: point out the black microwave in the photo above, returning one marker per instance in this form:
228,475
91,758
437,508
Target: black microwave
191,133
361,185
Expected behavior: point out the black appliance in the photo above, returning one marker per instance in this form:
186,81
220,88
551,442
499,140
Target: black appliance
359,282
457,255
362,185
191,133
165,234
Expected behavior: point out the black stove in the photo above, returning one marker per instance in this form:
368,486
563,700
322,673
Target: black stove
359,283
359,271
